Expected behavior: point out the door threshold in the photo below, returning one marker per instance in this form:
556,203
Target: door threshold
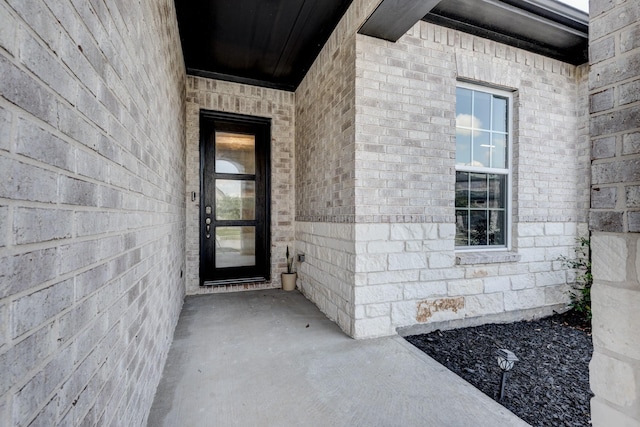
233,281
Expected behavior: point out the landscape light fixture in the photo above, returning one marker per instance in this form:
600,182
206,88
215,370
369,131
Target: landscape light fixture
506,359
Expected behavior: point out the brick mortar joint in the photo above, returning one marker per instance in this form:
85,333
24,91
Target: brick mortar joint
373,219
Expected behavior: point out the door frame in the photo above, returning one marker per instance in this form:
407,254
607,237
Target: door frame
262,203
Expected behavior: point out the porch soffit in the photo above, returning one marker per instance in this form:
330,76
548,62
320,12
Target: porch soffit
268,43
273,43
546,27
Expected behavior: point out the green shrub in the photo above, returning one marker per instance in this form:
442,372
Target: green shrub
581,264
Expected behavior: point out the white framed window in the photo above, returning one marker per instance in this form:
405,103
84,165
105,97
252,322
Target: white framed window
483,168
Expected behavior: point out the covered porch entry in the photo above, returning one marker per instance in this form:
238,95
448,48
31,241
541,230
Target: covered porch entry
271,358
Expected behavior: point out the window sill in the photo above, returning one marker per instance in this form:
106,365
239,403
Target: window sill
468,258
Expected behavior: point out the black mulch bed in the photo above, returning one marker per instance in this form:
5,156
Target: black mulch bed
549,386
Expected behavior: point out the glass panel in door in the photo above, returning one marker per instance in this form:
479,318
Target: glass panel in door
235,153
235,246
235,199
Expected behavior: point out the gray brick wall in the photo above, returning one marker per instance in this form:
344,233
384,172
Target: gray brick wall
325,126
614,91
325,153
615,112
92,201
405,125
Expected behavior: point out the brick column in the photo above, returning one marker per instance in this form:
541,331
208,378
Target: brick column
614,90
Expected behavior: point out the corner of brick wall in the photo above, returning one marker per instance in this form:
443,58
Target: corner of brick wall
614,105
325,171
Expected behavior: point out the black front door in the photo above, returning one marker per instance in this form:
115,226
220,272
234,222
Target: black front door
234,206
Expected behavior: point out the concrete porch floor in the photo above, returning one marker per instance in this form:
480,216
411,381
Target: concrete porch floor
271,358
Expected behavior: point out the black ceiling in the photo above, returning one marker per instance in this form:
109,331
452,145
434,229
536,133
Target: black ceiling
273,43
269,43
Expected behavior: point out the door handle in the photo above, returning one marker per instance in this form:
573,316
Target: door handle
207,221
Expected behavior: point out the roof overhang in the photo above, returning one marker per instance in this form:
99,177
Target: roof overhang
547,27
274,43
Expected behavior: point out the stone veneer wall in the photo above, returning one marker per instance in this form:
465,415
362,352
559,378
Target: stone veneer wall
325,164
237,98
92,199
407,271
614,93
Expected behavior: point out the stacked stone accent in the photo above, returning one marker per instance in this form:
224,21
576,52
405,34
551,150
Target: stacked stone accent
614,93
92,167
214,95
327,275
409,274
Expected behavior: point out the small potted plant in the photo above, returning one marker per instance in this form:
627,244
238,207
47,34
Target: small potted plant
289,278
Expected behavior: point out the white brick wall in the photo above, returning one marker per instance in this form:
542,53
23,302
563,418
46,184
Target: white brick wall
92,166
277,105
